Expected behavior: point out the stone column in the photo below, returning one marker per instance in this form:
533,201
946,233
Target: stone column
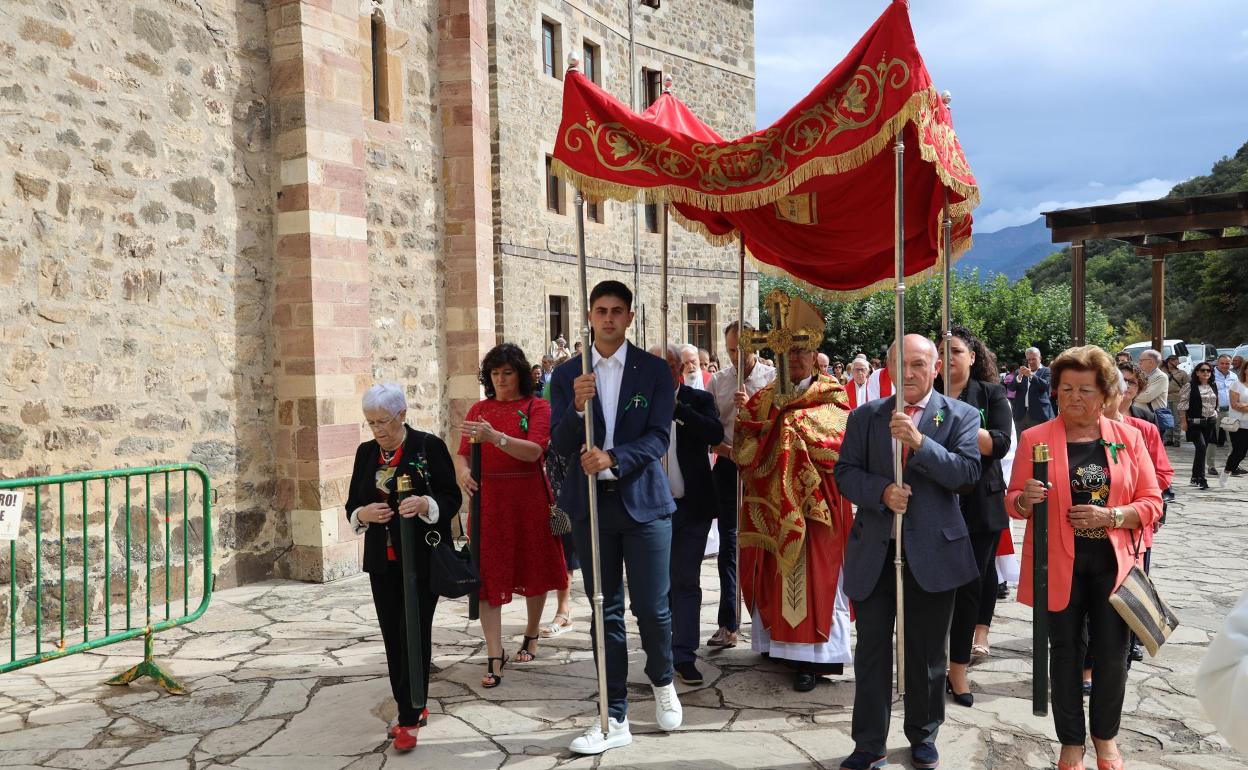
464,101
322,359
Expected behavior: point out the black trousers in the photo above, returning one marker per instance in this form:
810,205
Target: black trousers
928,617
967,599
1200,436
724,475
1239,448
690,527
988,591
1092,580
392,617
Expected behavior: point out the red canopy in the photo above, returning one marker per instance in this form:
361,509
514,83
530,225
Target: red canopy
813,193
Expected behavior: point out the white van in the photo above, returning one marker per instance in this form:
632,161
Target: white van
1168,348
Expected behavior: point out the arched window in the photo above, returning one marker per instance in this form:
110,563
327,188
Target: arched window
381,91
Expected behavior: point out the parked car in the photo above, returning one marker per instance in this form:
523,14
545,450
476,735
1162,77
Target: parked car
1241,351
1201,352
1232,351
1168,348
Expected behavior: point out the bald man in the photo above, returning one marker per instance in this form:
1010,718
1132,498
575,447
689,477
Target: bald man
941,451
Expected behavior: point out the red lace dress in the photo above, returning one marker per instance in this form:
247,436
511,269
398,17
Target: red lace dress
518,553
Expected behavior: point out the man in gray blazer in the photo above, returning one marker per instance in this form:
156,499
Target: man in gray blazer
941,454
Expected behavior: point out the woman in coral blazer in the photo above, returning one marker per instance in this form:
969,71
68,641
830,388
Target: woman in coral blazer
1102,494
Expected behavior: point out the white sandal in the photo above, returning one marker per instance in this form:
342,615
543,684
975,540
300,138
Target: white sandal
555,628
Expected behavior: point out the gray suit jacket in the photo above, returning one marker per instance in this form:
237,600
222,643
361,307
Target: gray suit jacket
935,539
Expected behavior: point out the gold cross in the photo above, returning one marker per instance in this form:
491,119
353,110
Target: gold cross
786,335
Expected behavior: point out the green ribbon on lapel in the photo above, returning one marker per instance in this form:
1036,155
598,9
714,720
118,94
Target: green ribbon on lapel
524,421
1113,448
939,418
638,401
983,419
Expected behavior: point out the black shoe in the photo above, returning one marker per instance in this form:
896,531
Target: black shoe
1195,482
1213,471
1137,652
804,681
1238,472
1202,484
1003,590
688,673
924,755
863,760
960,698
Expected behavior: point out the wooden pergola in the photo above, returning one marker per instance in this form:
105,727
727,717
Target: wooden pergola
1157,229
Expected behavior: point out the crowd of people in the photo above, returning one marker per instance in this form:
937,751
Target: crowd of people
809,446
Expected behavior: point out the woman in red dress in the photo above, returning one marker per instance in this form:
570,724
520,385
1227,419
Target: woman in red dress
519,555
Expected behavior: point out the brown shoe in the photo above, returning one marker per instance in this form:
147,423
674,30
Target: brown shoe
722,638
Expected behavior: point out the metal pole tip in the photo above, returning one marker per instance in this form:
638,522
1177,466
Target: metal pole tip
574,61
667,84
946,97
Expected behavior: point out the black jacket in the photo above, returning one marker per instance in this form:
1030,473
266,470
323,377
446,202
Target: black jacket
1039,407
697,429
983,505
437,481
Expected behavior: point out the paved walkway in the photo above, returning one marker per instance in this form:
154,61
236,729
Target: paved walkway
289,675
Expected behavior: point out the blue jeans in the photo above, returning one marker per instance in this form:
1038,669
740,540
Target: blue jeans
724,475
690,526
644,550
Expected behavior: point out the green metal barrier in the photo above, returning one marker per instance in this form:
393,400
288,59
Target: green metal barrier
97,627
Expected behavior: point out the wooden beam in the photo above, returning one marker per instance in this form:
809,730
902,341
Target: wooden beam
1078,301
1199,244
1159,302
1208,220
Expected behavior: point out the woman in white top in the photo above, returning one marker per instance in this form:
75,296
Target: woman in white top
1222,679
1239,408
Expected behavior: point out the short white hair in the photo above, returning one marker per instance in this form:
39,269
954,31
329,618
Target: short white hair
1029,351
1153,354
387,397
681,350
860,360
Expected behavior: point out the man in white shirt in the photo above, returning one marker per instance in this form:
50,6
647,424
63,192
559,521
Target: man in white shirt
858,388
822,363
1223,376
728,399
633,403
1156,384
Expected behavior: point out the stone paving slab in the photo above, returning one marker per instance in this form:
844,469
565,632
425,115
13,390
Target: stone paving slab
290,675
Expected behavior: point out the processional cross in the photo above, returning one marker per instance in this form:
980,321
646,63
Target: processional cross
795,325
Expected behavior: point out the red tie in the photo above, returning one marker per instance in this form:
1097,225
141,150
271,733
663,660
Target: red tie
911,411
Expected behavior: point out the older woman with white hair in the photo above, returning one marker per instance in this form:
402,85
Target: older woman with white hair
374,508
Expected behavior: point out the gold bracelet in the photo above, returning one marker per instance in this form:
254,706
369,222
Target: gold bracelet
1018,506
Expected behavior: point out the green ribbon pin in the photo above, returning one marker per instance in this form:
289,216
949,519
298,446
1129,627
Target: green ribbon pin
638,401
524,421
983,419
939,418
1113,449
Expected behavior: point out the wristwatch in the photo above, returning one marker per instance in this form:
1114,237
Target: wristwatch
615,461
502,441
1119,516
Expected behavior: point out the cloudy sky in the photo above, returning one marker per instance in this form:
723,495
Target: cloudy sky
1058,103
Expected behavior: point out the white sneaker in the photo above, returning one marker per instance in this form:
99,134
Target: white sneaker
1222,477
592,741
667,710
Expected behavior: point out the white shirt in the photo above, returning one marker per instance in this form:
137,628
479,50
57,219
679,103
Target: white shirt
1222,679
1223,383
675,479
861,392
873,386
723,386
1242,390
609,375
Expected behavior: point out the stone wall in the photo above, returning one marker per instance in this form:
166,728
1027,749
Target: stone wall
712,66
135,252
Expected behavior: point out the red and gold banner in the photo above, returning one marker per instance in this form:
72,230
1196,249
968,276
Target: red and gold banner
813,193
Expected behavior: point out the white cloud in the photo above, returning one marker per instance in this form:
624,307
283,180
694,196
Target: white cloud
1146,190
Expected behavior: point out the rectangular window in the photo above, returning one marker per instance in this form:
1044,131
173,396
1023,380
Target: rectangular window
652,217
651,3
593,211
550,48
590,57
700,327
380,73
558,320
554,188
652,85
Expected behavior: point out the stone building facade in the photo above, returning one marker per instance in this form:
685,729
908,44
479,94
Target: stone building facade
222,220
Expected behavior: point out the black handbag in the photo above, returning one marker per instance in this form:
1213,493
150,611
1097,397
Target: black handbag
451,572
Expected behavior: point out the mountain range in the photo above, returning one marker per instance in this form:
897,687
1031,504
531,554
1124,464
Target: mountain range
1009,251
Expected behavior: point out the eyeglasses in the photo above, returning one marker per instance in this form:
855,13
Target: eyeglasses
375,424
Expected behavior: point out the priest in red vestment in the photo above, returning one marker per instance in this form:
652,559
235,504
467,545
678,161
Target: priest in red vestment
794,523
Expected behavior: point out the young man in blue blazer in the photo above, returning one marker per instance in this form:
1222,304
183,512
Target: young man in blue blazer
633,402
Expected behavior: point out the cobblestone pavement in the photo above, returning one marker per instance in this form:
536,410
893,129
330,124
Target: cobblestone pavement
289,675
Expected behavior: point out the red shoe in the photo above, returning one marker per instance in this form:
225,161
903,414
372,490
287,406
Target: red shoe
424,720
1110,764
405,738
